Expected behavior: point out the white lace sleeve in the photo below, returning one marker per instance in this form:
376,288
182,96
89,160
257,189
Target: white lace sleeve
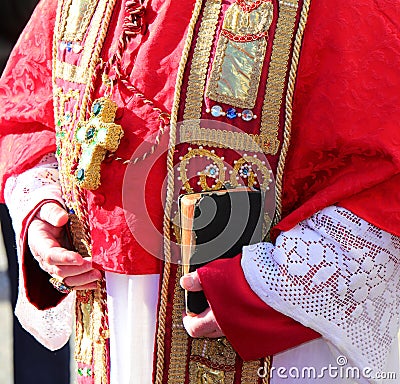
23,193
337,274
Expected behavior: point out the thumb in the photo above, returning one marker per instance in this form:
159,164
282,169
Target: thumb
53,214
191,282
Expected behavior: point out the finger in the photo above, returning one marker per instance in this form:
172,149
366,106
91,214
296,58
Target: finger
56,256
46,248
82,280
65,271
53,214
191,282
200,325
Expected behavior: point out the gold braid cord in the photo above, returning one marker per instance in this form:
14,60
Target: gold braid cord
289,103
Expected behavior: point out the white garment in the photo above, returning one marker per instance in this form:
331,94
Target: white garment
338,275
23,193
132,309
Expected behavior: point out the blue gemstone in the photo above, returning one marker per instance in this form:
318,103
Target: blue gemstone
231,113
96,108
69,46
245,171
80,175
90,133
212,171
71,212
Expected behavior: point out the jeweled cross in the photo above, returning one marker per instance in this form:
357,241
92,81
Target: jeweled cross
96,136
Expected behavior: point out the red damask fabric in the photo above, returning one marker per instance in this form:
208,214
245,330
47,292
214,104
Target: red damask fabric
345,146
26,100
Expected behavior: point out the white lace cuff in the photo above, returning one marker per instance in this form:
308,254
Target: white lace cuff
337,274
23,193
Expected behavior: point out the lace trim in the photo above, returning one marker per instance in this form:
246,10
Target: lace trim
337,274
23,193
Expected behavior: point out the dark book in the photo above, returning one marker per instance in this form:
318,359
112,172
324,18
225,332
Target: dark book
217,224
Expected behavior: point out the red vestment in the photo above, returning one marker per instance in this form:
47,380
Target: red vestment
344,146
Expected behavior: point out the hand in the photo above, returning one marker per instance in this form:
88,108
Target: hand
204,324
47,242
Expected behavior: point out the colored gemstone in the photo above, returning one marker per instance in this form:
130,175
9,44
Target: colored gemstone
212,171
90,133
71,212
96,108
247,115
80,174
59,122
80,371
245,171
89,372
69,46
58,151
231,113
216,111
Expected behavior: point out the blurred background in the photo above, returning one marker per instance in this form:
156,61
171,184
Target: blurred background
22,359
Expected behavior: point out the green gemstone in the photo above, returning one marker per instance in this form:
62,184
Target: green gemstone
96,108
89,372
80,174
90,133
58,152
59,122
80,371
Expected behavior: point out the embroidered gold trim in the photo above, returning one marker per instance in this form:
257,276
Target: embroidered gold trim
289,103
277,76
200,152
267,140
201,55
266,173
246,96
83,72
192,132
61,99
76,20
83,342
236,82
212,360
179,345
201,374
250,372
160,339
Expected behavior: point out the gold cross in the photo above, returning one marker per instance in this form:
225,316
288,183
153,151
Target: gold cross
96,136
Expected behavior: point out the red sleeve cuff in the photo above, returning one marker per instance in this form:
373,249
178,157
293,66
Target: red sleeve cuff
39,290
254,329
